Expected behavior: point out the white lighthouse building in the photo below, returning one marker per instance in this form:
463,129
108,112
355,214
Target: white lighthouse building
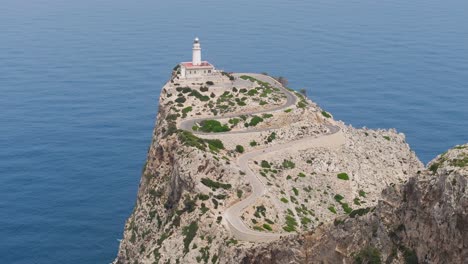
196,68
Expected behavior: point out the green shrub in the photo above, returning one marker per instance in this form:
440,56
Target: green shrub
346,208
214,144
332,209
271,137
262,102
180,100
186,110
215,126
338,198
325,114
204,89
362,193
234,121
287,164
288,110
296,191
214,184
267,116
199,96
255,120
301,104
240,149
387,138
253,143
284,200
301,174
368,255
265,164
239,193
189,232
209,83
203,197
343,176
305,220
267,227
360,212
290,224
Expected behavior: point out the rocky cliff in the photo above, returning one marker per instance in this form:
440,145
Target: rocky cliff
424,220
303,179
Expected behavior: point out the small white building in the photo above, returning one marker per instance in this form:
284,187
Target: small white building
196,68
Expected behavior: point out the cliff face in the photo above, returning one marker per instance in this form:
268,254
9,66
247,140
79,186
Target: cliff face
424,220
294,167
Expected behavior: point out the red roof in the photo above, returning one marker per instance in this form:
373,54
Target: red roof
202,64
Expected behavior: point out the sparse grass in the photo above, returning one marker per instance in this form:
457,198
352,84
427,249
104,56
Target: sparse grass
267,116
343,176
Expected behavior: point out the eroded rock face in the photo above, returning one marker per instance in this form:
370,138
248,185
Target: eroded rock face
424,220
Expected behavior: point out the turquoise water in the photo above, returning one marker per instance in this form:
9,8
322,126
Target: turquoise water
80,80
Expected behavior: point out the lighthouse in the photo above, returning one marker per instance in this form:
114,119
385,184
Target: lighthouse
196,68
196,52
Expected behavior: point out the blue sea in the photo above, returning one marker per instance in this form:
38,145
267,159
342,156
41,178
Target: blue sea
80,80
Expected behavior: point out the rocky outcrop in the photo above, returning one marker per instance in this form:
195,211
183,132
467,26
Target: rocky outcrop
189,180
424,220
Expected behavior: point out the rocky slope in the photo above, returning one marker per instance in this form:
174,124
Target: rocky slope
424,220
189,180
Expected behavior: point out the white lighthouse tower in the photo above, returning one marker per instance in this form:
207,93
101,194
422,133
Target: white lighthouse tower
196,69
196,52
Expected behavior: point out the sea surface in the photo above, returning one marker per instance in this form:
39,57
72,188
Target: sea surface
80,80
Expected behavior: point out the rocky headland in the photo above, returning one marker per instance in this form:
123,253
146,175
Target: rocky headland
244,170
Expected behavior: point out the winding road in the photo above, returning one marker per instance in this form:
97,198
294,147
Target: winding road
333,139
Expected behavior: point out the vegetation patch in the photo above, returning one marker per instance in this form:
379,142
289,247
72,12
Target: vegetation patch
287,164
189,232
325,114
215,185
368,255
255,120
271,137
343,176
265,164
240,149
360,212
387,138
214,126
199,96
291,224
332,209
